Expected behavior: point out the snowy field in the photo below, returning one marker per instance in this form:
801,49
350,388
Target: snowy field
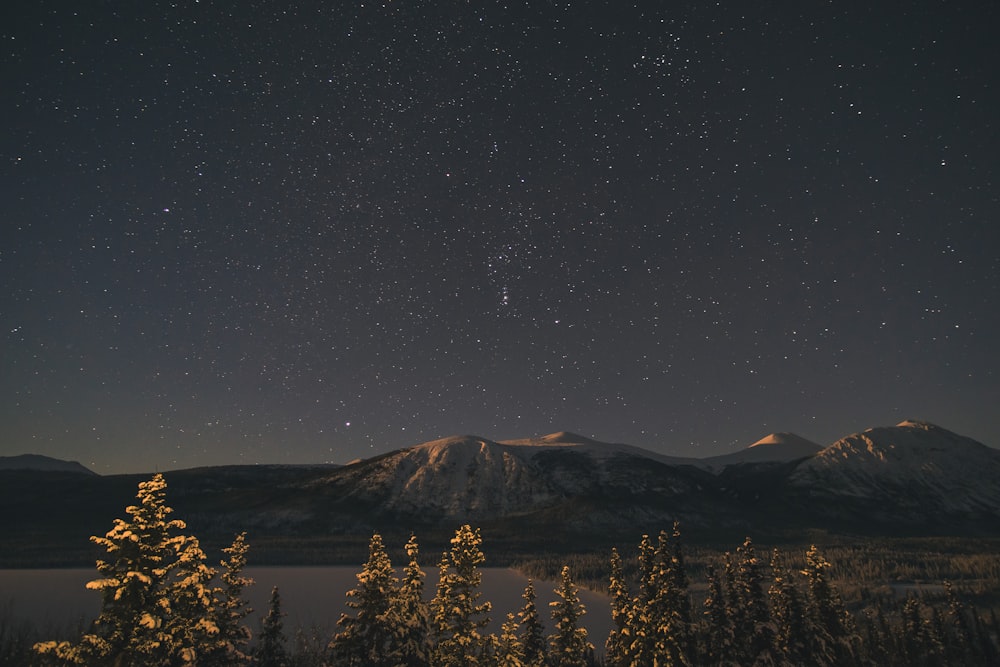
310,597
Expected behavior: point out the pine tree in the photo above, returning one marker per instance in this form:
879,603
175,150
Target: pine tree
270,650
458,616
720,639
959,636
189,628
141,553
619,638
680,602
641,649
660,623
752,620
532,633
672,602
408,616
788,612
568,644
509,651
365,638
230,646
834,641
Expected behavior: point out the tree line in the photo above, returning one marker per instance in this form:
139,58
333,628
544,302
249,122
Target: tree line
162,605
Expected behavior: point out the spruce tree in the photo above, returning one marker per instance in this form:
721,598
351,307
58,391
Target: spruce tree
509,651
141,553
619,638
408,616
365,638
231,644
719,637
189,629
660,623
834,641
680,602
641,648
959,636
568,644
532,633
752,618
270,650
458,615
788,612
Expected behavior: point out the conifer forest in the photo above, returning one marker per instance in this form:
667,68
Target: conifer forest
164,605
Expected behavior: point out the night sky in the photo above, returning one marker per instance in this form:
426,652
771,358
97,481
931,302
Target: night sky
273,232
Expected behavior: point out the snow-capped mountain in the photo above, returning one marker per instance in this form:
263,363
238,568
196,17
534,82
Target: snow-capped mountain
907,474
473,478
914,471
913,478
774,448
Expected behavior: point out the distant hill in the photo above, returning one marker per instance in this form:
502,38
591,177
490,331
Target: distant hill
39,462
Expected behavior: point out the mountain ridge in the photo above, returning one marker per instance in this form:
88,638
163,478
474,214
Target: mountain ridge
42,462
914,478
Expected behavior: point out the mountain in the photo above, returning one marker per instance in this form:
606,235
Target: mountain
774,448
470,478
914,473
39,462
559,491
912,477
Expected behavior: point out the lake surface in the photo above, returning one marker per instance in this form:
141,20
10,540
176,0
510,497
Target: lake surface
311,597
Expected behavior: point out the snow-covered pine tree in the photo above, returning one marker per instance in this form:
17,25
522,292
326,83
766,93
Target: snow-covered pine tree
833,631
568,644
532,632
641,649
660,623
719,637
270,650
960,632
509,651
675,641
365,638
189,630
788,613
408,616
752,616
619,638
458,615
230,646
140,555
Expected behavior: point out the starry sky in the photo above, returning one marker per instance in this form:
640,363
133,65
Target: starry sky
286,232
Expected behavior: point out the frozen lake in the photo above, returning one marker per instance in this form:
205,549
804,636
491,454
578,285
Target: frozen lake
310,597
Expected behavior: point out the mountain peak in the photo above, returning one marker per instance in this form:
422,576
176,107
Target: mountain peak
453,440
565,437
774,448
919,424
790,440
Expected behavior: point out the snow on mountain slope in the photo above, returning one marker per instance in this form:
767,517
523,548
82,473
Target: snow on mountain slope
473,478
456,476
908,474
774,448
911,466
